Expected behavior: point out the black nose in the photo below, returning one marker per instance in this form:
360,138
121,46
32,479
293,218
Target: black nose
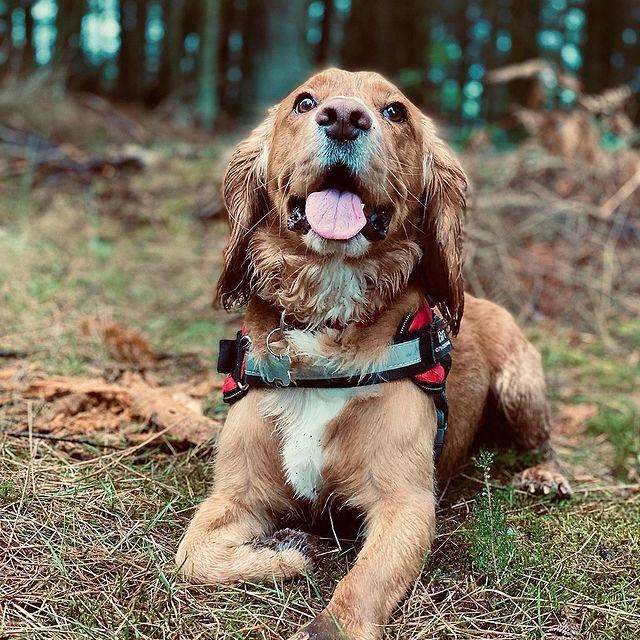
343,119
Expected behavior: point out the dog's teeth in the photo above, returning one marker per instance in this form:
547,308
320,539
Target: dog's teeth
377,225
297,220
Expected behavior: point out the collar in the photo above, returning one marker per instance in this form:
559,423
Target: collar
421,347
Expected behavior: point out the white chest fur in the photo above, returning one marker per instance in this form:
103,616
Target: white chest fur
302,416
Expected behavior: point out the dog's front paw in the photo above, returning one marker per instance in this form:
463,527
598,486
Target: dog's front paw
326,626
322,627
290,539
542,480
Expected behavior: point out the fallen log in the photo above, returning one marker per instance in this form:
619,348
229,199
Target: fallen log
27,152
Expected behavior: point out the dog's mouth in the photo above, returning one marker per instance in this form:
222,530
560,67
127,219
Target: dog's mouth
334,210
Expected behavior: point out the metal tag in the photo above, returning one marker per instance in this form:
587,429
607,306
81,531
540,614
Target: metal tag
277,369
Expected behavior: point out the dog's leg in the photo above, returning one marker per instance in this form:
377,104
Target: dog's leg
231,540
231,537
384,464
520,390
400,529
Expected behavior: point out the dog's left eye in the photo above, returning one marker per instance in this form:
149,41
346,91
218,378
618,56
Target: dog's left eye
396,112
304,102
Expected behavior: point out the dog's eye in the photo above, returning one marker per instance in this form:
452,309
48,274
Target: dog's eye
304,102
396,112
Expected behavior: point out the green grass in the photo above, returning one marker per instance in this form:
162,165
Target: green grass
61,264
493,541
595,372
93,541
621,426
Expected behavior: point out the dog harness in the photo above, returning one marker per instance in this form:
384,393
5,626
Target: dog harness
420,350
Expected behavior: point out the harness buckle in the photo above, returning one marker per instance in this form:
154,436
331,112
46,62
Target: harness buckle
435,344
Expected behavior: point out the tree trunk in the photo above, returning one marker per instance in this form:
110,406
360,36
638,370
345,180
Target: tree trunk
389,37
495,96
524,44
461,27
193,24
6,42
606,20
632,52
227,99
324,52
67,52
172,46
28,57
208,77
365,37
131,57
277,55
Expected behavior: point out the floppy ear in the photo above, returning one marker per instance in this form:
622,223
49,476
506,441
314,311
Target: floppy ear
244,194
444,203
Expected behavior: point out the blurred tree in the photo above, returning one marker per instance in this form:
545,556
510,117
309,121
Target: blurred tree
606,62
324,52
525,22
67,50
600,37
495,100
22,23
131,55
277,55
389,37
462,29
172,46
208,84
228,55
6,41
238,56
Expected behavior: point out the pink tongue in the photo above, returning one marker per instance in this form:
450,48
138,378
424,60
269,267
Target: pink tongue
336,215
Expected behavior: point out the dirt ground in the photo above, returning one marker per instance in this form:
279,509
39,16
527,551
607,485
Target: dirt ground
109,407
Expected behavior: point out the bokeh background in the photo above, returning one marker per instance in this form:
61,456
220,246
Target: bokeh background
231,58
116,120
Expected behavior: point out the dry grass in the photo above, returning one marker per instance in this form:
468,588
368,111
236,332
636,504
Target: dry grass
87,533
539,242
89,550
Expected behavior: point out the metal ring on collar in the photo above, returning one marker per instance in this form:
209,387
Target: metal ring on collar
269,349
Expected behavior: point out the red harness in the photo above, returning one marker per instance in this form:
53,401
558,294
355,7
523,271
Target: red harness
423,318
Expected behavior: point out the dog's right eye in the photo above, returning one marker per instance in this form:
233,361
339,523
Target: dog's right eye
304,102
396,112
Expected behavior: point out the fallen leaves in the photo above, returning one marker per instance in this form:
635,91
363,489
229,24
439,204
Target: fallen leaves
125,345
127,409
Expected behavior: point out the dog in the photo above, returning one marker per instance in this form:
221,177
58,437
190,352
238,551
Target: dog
345,212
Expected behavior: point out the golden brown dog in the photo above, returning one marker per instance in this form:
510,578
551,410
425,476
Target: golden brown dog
342,148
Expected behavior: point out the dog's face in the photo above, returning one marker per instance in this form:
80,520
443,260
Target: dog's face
346,168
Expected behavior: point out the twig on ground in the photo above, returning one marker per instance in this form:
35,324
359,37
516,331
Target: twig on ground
47,436
625,191
14,353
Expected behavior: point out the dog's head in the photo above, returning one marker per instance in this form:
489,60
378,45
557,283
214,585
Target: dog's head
345,167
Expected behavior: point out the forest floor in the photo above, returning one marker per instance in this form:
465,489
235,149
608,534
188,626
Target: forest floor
107,282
